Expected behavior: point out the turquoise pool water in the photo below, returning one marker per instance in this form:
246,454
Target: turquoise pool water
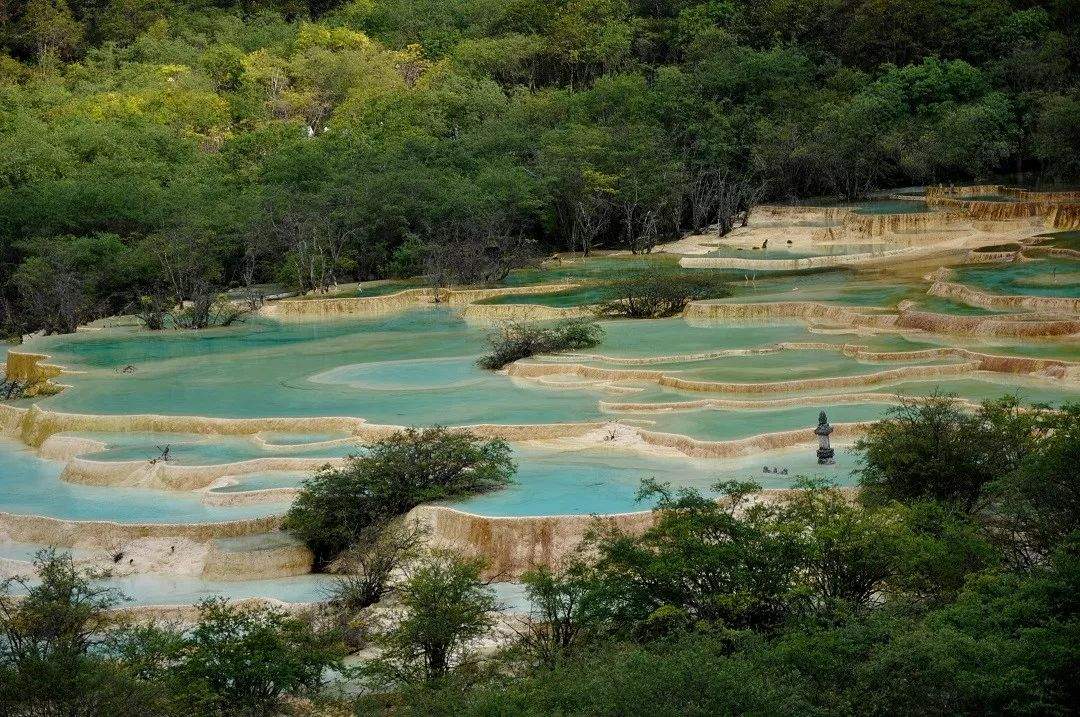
836,286
1022,277
594,481
891,206
413,368
401,370
30,485
782,366
417,368
270,369
405,374
989,387
191,449
717,425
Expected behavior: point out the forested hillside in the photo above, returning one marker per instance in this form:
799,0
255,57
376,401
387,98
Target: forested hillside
161,150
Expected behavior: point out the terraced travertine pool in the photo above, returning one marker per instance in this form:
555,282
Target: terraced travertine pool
605,482
892,206
399,370
1041,277
727,250
839,286
359,368
30,485
417,367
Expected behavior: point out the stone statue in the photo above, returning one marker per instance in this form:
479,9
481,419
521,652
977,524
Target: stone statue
825,452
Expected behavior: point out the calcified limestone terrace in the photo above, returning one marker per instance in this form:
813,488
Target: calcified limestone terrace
32,370
735,384
215,495
987,300
907,373
165,476
488,313
1060,210
986,362
983,363
956,225
512,545
1022,326
727,404
1035,326
162,475
306,309
104,534
867,259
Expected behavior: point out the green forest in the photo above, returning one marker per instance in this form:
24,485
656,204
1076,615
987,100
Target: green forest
163,151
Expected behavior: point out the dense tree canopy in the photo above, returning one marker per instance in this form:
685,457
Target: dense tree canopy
309,143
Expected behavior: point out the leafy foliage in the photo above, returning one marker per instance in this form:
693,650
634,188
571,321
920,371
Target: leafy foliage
521,340
910,602
445,607
932,448
816,602
703,561
365,567
50,640
313,143
656,295
564,614
338,505
62,653
1039,500
235,661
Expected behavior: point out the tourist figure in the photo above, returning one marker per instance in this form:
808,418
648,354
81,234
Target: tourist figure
164,454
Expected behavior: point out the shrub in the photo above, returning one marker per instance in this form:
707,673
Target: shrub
932,448
687,675
242,661
518,341
53,653
702,561
562,617
368,564
655,295
397,473
446,607
1037,505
